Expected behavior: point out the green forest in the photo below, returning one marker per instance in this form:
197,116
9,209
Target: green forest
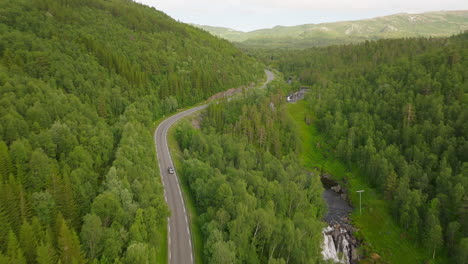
256,204
81,83
398,110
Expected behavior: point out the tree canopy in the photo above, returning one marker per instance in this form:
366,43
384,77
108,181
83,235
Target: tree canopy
81,83
398,110
256,203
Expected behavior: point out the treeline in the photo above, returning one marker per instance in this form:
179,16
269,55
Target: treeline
256,203
398,109
81,83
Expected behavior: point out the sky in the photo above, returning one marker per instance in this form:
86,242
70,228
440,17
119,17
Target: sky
247,15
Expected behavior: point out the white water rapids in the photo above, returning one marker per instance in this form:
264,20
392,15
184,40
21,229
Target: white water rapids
336,249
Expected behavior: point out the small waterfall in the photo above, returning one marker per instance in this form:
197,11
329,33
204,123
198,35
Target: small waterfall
328,247
339,245
336,244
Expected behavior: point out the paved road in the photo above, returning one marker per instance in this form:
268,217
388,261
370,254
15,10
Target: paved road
179,238
270,77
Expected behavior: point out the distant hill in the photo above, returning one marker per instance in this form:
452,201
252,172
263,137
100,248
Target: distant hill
442,23
226,33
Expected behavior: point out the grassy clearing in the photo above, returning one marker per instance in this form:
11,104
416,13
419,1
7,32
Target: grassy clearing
376,224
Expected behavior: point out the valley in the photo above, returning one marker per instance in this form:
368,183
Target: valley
127,136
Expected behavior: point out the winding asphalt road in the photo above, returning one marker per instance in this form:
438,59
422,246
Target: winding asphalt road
270,77
179,237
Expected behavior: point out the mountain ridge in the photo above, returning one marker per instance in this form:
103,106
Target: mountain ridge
433,23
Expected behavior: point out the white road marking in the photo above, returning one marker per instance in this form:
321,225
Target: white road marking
169,238
180,193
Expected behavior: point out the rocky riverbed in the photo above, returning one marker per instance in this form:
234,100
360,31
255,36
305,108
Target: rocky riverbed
339,244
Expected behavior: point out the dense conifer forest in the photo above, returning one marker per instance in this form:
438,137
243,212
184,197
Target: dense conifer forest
256,203
81,83
398,110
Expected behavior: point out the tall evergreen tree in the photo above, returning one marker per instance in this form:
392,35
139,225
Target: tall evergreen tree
45,251
68,244
6,166
14,252
28,241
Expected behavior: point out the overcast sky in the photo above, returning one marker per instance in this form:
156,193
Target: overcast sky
249,15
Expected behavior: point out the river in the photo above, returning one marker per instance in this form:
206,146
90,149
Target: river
339,245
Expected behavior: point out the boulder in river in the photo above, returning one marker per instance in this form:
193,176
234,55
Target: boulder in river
336,188
327,181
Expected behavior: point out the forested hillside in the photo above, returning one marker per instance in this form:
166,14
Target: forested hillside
81,82
256,203
398,110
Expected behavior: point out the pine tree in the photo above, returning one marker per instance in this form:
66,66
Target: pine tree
10,205
28,242
68,244
23,203
3,258
391,185
45,251
14,252
17,204
20,174
62,192
4,227
6,167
